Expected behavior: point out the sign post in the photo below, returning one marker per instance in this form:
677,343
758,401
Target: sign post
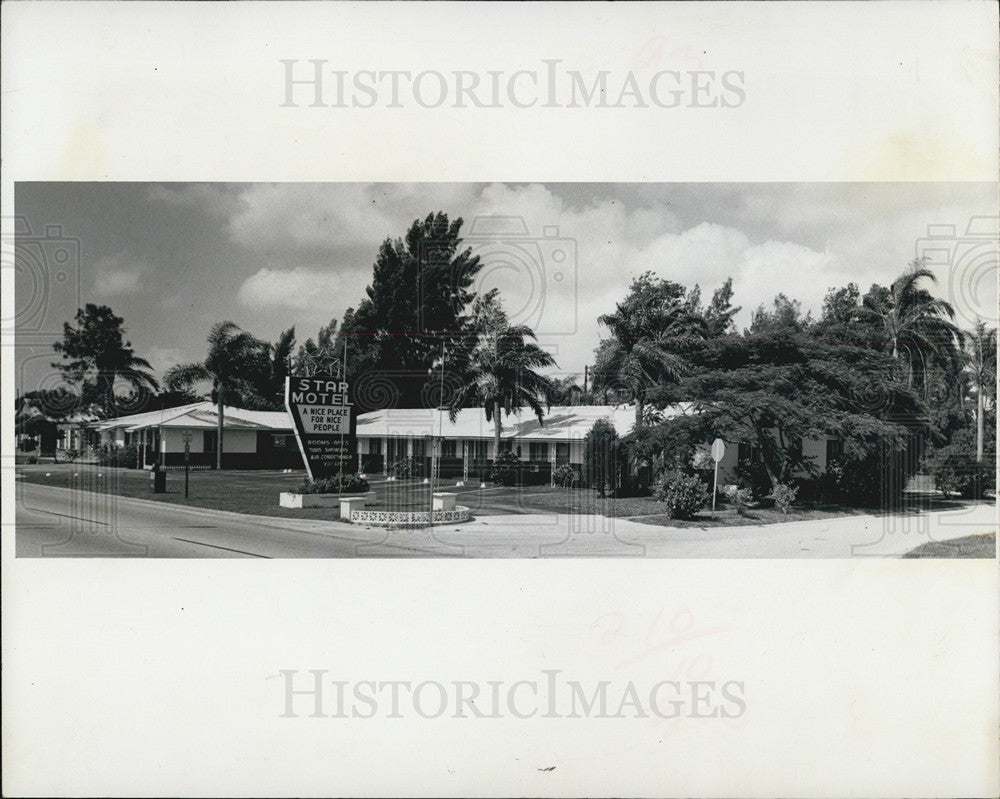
718,450
187,460
324,422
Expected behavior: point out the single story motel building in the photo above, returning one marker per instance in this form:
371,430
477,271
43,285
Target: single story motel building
266,440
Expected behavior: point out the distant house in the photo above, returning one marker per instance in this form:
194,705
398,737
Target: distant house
251,439
266,440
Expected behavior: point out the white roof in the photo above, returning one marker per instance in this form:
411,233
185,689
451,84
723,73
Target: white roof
567,423
201,415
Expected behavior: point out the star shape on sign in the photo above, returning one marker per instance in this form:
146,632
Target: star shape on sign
322,360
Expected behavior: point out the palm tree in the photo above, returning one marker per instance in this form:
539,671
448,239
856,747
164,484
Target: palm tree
500,372
232,354
649,329
266,386
99,357
981,359
916,325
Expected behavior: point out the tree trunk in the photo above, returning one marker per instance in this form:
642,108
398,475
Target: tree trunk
218,443
496,431
979,423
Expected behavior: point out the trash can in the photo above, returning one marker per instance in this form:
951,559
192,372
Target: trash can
157,480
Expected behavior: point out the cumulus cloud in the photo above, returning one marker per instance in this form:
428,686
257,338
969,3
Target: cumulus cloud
297,288
119,275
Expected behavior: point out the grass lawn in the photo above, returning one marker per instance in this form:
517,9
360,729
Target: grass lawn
971,546
648,511
254,492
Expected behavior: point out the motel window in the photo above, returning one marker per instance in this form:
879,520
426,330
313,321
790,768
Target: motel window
211,440
283,441
418,448
374,446
449,449
538,451
395,449
749,453
562,454
834,449
477,450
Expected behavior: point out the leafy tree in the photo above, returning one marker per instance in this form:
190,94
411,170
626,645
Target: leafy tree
564,391
775,393
419,297
232,354
602,457
784,320
843,318
96,356
266,381
652,329
500,371
720,312
915,327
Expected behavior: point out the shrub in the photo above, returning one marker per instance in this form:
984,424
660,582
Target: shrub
683,495
506,469
752,476
783,496
956,470
338,484
740,498
602,456
71,455
123,457
406,469
565,476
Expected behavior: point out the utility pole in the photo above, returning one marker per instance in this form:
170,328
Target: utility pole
586,370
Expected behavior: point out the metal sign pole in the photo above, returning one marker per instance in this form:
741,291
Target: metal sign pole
187,460
718,452
715,486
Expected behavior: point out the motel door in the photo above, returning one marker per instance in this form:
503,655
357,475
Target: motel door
395,450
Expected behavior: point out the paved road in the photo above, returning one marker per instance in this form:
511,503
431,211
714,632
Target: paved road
59,522
63,522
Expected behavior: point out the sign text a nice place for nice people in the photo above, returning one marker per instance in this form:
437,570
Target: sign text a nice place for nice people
325,424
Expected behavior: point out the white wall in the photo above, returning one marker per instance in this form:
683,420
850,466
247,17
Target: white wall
172,440
233,441
815,450
238,441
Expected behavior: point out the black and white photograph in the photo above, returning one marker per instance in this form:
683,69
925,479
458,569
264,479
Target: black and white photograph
506,370
547,399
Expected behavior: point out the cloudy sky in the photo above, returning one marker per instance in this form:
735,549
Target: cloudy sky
172,259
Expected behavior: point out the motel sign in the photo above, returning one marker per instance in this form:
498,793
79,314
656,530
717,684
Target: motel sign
325,424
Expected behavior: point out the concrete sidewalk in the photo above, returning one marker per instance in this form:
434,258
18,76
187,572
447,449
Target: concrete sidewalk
561,535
